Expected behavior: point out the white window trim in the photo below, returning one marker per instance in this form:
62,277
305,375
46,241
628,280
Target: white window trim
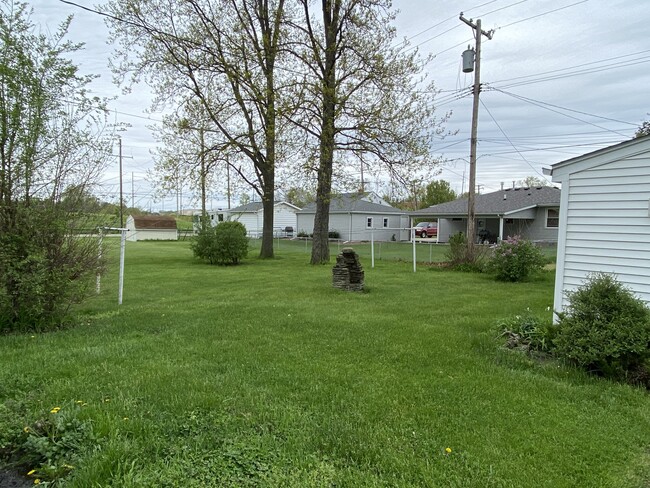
546,219
369,222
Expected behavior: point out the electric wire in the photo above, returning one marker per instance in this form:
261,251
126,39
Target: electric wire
506,136
541,105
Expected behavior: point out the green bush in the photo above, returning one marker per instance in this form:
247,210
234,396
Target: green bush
514,259
225,243
44,269
527,332
334,234
605,329
459,256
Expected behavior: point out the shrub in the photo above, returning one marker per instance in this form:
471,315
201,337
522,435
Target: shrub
527,332
334,234
225,243
514,259
605,329
459,256
44,269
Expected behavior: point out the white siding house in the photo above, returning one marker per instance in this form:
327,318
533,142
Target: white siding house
252,216
605,218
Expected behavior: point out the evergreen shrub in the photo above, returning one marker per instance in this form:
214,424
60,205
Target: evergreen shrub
606,330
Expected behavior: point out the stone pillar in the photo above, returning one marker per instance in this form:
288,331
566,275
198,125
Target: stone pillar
347,273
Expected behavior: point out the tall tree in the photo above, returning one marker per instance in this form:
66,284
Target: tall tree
438,191
360,98
50,140
189,152
222,53
643,130
533,181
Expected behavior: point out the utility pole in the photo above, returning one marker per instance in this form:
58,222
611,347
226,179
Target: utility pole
468,67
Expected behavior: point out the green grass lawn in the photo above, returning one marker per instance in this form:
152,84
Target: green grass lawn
264,375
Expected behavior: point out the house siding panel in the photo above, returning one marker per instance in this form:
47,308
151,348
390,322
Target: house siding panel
284,217
608,226
305,223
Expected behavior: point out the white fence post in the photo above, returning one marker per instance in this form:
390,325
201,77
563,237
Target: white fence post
372,247
122,247
414,253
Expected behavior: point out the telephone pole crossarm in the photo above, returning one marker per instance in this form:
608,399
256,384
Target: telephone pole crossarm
470,22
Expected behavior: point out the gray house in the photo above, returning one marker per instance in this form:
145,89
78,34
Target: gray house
605,218
359,217
532,213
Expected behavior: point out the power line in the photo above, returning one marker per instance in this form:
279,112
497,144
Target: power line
502,8
521,97
541,105
542,14
511,143
572,67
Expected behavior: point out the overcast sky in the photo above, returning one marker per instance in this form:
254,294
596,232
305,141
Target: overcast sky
560,78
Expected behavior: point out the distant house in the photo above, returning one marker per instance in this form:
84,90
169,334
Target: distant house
359,217
605,218
151,228
252,216
532,213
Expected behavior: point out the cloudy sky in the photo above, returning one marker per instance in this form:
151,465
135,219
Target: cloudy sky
560,78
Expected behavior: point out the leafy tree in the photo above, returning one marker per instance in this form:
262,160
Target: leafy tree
643,130
189,153
51,149
532,182
299,196
438,191
222,54
358,100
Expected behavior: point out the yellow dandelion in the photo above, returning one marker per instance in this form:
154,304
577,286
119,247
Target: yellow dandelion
26,430
31,472
106,400
125,418
68,466
448,450
78,402
55,410
37,481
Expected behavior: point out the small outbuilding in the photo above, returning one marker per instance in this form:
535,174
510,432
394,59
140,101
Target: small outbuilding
605,218
151,228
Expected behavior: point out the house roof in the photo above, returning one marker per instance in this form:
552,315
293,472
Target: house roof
253,207
502,202
352,203
154,222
